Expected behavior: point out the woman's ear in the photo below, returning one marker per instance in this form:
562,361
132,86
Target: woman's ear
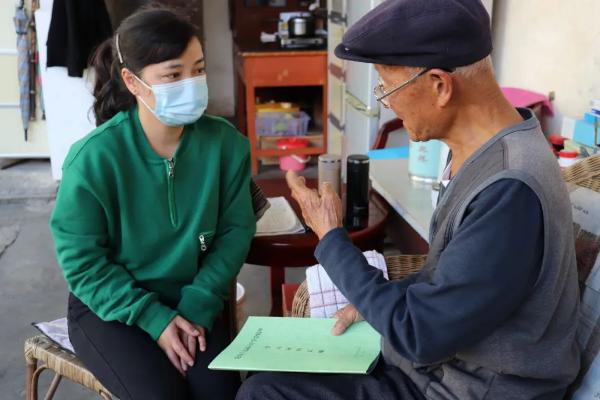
131,83
443,86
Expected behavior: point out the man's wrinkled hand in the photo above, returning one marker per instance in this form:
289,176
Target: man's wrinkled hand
321,212
345,317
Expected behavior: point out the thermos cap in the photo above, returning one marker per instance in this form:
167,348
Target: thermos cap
330,158
358,159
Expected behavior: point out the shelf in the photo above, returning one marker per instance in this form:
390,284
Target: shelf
273,77
269,153
268,144
311,136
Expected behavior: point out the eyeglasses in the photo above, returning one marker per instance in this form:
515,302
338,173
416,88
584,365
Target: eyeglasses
381,94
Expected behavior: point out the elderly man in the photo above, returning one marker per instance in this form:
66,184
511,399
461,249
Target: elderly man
493,312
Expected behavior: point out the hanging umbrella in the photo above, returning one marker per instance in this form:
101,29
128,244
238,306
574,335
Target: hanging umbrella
21,24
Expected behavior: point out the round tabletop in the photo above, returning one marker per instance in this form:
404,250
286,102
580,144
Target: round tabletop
297,250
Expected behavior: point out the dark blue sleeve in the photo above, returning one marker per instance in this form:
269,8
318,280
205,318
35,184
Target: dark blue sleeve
483,275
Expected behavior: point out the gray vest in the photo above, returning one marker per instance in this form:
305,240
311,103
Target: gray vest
534,353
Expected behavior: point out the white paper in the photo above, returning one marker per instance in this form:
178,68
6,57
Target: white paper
280,219
58,331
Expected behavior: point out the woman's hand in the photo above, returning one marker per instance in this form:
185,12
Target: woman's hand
345,317
193,343
201,337
170,342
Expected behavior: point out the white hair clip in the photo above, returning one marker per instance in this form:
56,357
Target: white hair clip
118,48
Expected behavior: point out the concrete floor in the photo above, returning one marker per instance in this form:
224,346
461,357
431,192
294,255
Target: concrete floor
31,284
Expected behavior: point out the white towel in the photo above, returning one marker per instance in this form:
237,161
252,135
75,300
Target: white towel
325,297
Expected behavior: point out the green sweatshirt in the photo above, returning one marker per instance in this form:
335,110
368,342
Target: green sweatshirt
141,238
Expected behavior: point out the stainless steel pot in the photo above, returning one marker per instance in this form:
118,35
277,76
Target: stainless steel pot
300,27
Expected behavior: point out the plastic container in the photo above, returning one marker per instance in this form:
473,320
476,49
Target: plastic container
282,123
292,162
567,158
330,169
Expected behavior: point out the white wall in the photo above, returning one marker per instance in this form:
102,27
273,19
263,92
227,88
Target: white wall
218,52
550,45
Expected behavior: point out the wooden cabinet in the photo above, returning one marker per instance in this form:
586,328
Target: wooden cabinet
264,69
248,18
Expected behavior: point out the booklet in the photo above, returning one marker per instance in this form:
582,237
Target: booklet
279,219
300,345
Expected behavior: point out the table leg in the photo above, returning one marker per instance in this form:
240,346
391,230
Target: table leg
277,279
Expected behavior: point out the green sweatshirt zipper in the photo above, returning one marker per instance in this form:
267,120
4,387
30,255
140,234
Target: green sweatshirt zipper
171,190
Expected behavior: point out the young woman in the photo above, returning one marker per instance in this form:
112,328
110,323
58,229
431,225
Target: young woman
153,218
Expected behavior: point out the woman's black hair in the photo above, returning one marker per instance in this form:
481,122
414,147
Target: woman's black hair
149,36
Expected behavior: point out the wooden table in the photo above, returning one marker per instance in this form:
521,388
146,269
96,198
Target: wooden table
279,252
282,68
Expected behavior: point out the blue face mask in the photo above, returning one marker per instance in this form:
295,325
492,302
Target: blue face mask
179,103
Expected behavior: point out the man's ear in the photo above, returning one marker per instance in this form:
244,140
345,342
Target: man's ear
443,85
131,83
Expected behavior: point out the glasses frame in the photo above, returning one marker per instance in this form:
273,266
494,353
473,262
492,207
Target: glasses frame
381,94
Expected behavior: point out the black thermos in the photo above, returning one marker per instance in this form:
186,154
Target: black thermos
357,192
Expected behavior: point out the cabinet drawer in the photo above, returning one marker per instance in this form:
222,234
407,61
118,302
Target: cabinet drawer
286,70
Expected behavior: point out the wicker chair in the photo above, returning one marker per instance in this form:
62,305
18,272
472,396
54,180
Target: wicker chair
585,173
43,354
40,349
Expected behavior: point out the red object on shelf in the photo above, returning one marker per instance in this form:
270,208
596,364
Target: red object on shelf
568,154
292,143
292,162
557,142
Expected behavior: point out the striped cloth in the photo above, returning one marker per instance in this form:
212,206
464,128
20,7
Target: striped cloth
325,299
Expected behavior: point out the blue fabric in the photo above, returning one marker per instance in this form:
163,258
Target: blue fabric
390,152
483,275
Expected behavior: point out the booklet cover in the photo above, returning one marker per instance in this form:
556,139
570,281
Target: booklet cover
300,345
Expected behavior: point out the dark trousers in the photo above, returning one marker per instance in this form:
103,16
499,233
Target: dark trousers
385,382
132,365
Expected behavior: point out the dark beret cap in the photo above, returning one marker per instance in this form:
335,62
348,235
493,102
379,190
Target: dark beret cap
420,33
